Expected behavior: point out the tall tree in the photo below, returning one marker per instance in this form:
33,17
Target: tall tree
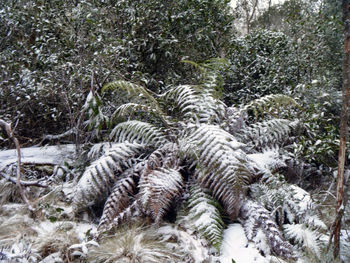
343,128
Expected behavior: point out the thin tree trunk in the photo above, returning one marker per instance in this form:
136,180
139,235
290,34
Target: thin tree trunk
343,129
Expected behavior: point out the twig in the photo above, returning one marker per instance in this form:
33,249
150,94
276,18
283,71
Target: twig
23,183
7,127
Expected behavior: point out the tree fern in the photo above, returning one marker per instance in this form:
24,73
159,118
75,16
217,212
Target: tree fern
199,140
204,214
102,173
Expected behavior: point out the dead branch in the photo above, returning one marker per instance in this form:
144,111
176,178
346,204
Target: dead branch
7,127
24,183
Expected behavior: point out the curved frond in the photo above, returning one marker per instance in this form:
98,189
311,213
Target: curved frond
204,213
158,189
260,228
128,108
133,90
98,149
118,200
138,131
267,133
269,104
195,103
139,94
224,168
102,173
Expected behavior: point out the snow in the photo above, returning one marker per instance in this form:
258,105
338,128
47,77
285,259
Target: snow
266,160
236,246
55,155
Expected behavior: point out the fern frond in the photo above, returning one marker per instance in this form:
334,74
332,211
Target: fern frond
195,103
133,211
98,149
260,228
138,131
102,173
224,168
305,237
139,94
133,90
159,189
267,133
165,156
129,108
118,200
204,213
269,104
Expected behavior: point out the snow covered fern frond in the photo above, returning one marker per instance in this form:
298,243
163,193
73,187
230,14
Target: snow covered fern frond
98,149
134,91
100,176
269,104
165,156
194,103
159,188
305,237
144,99
118,200
223,167
138,131
260,228
128,109
267,133
204,214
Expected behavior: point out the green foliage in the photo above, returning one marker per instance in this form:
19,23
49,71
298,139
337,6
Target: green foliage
261,64
205,214
52,51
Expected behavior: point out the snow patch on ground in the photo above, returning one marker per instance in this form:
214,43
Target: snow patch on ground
55,155
236,246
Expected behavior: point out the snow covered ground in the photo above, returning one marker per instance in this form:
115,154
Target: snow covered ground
55,155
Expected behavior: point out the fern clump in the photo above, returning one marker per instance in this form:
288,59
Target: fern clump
188,139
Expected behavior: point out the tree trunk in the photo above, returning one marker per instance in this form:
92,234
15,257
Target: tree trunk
343,129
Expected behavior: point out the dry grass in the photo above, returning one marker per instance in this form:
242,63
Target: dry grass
135,244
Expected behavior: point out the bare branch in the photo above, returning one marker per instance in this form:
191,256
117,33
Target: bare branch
24,183
7,127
